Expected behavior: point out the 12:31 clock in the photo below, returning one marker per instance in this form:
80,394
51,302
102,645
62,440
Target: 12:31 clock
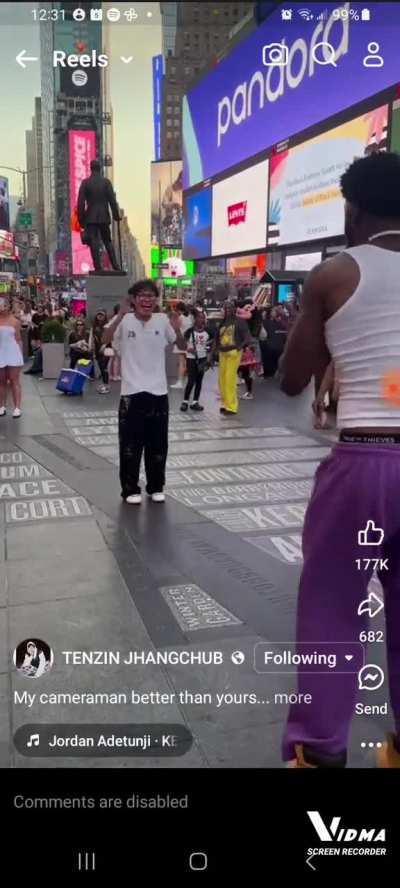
48,15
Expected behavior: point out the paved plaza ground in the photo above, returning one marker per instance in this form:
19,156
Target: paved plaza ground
214,569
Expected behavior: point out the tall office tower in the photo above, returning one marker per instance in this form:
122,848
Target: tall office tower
169,12
107,117
34,182
72,126
131,257
194,35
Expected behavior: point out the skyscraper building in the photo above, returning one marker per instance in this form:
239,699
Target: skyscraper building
194,34
69,103
108,115
132,261
34,181
169,13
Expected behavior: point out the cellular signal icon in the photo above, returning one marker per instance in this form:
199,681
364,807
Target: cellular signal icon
306,14
323,16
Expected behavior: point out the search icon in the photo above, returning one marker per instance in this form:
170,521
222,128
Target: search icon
328,52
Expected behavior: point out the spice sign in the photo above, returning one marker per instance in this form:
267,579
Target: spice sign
82,149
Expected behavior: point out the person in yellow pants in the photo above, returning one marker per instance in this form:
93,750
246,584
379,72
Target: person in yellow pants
233,336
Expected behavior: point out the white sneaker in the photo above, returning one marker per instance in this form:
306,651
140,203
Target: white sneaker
16,412
135,499
3,411
177,385
247,397
158,497
103,390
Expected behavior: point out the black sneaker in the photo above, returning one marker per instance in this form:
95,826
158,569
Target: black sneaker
196,406
184,406
222,410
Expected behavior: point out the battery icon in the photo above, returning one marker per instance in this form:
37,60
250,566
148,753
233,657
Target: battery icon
365,15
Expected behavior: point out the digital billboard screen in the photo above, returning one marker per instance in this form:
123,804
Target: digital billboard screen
168,265
166,203
158,71
243,106
239,211
305,198
80,82
197,224
6,244
302,261
395,127
82,149
4,204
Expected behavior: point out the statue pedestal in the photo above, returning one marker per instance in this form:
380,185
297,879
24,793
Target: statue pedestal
104,290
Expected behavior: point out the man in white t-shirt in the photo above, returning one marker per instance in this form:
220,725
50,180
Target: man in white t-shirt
141,337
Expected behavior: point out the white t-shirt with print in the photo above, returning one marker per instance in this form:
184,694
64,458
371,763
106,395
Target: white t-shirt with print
141,345
202,340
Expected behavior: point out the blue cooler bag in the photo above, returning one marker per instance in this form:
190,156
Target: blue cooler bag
71,382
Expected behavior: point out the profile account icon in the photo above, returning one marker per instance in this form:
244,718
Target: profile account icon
373,60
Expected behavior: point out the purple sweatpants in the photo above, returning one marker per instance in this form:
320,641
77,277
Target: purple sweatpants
357,483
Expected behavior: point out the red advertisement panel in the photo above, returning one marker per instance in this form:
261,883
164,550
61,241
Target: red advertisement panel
82,149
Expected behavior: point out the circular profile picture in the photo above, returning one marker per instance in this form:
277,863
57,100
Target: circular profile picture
33,658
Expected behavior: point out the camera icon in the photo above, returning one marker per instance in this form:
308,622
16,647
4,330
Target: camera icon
275,54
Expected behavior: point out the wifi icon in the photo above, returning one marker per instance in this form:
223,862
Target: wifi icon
306,14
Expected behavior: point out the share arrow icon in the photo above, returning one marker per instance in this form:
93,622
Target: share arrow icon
371,605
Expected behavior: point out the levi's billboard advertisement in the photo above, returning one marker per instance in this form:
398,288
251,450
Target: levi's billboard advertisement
239,211
243,105
82,149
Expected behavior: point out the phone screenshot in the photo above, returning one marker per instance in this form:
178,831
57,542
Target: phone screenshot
200,438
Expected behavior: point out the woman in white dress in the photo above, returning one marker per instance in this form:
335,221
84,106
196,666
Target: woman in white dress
11,359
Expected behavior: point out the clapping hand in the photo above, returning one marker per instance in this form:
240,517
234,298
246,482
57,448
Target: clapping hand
175,321
126,306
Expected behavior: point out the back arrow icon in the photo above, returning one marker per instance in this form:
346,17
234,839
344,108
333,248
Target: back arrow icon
21,58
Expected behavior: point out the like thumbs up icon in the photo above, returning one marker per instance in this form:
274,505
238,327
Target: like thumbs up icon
371,536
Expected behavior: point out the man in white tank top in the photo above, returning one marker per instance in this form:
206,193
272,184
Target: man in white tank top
350,313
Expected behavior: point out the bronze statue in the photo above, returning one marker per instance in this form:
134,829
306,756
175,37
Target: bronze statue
96,195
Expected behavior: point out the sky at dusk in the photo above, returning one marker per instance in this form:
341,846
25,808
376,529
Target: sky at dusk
131,91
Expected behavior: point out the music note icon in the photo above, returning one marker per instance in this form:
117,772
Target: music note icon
33,740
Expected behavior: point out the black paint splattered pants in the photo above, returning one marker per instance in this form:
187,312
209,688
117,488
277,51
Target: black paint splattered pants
143,427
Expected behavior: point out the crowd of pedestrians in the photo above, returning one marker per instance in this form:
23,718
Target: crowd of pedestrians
246,343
